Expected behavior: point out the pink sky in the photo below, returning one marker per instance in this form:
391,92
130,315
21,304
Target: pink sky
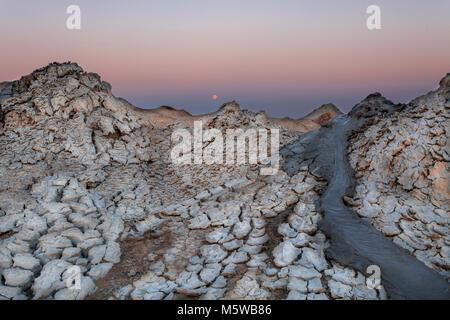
286,57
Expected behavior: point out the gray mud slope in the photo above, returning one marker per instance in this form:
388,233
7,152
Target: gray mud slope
354,242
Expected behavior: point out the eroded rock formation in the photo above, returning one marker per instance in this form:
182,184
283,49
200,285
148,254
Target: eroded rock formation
86,180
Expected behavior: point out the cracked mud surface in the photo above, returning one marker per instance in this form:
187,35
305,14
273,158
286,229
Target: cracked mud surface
86,181
354,242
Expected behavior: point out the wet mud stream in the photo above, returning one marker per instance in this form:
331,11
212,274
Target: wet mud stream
353,241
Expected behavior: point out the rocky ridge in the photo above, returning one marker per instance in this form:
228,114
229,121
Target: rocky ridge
402,165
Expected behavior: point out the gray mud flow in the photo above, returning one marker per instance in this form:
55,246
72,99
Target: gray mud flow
353,241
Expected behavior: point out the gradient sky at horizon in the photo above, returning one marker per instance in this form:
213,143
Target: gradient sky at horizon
283,56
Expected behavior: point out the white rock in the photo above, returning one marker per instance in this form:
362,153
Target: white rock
303,272
220,282
315,257
241,229
303,187
259,223
26,261
203,195
96,254
218,235
35,222
9,292
194,268
346,276
5,260
297,284
315,286
201,221
276,285
123,292
285,253
196,260
54,241
296,295
259,241
233,245
100,270
213,253
112,227
60,181
112,253
50,278
70,195
82,104
303,209
236,257
74,234
82,220
301,240
229,270
319,296
71,252
210,272
17,277
8,222
285,230
213,294
190,281
89,243
57,208
154,296
87,287
339,290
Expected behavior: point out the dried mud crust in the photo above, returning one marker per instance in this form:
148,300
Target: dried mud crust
133,264
86,180
403,177
354,242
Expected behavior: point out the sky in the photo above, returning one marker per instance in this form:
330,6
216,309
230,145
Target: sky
286,57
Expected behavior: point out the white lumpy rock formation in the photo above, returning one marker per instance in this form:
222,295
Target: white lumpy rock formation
86,181
402,170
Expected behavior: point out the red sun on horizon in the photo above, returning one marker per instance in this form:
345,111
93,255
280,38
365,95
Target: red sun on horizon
214,96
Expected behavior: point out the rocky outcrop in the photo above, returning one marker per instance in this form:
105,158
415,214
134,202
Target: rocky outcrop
402,171
165,116
86,181
323,114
